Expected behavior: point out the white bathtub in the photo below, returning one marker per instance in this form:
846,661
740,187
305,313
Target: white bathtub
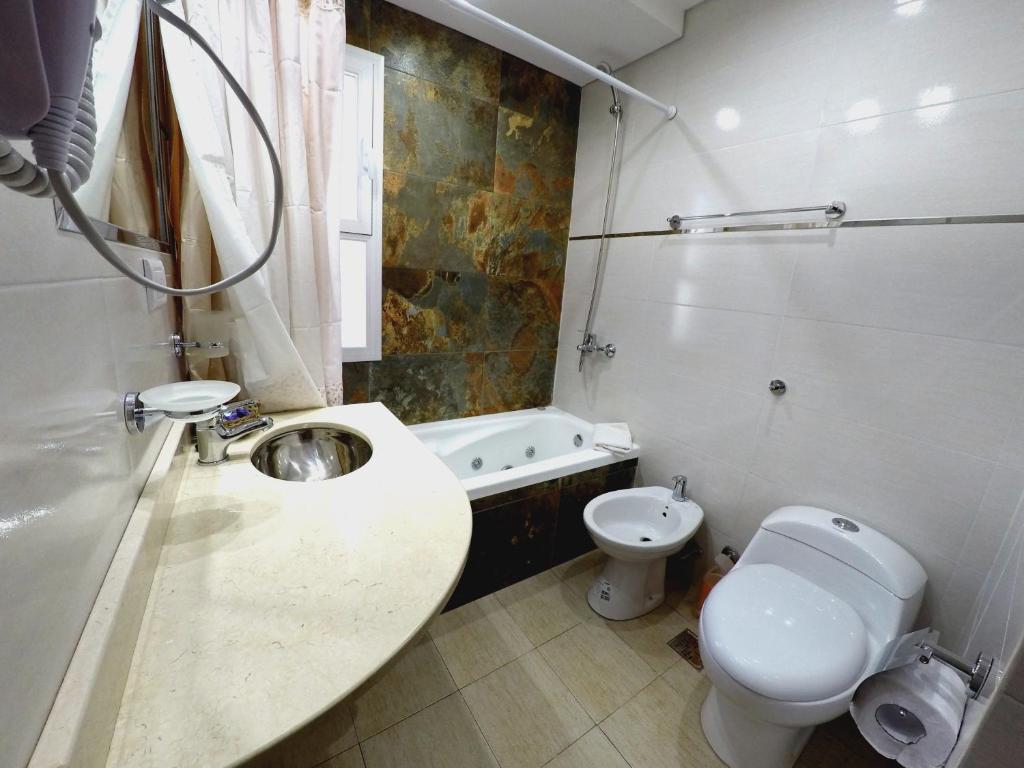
562,445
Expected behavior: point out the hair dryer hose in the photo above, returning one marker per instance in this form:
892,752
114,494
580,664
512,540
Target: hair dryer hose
84,224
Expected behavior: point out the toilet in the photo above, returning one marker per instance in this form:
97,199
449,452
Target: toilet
810,610
638,528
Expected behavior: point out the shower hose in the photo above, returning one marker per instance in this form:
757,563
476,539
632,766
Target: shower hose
63,167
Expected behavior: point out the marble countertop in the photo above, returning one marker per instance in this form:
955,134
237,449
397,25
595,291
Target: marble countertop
274,600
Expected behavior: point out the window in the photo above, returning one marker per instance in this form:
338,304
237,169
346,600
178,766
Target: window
359,185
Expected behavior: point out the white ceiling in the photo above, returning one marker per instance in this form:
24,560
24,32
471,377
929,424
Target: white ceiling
616,31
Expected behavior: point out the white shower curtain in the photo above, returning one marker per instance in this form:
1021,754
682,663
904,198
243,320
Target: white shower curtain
288,55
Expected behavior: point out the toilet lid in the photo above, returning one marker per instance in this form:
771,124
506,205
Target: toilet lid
781,636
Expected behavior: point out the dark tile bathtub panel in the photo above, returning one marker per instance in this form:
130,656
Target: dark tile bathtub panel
522,532
479,151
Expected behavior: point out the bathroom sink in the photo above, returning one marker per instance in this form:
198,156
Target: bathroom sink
307,454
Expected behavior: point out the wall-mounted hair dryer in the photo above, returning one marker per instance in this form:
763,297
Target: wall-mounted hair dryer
46,51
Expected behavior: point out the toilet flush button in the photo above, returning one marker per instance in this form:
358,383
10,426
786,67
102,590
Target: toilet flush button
845,525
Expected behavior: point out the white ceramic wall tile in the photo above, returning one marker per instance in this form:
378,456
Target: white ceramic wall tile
899,345
921,494
719,422
36,252
761,174
70,471
924,53
627,271
720,31
760,94
731,349
715,485
580,264
1000,737
943,160
954,393
961,281
750,273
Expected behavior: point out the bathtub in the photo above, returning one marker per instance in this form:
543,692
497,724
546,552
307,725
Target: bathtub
505,451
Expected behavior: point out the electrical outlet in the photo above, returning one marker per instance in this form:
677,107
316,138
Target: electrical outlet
154,270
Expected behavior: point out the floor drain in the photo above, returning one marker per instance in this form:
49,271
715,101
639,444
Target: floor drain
686,645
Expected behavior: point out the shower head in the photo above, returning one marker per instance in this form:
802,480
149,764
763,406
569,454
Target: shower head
616,107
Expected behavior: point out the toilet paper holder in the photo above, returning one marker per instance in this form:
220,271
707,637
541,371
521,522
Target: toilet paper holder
977,673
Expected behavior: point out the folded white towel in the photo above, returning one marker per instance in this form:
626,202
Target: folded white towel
615,438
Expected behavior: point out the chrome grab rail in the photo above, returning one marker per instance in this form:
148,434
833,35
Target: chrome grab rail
834,210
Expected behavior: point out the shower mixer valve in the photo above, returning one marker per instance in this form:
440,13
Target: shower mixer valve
590,345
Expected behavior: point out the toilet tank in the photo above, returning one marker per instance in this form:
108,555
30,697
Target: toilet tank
876,576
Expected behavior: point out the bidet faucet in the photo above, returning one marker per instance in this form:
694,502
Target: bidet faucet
230,422
679,488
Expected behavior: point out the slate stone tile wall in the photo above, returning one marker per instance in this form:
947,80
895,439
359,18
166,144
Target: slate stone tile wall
479,157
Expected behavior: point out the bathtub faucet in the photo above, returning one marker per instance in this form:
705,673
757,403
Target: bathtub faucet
590,345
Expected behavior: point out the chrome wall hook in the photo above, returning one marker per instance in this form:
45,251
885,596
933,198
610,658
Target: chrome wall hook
179,345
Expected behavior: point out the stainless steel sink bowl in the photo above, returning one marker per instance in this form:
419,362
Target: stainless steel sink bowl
307,454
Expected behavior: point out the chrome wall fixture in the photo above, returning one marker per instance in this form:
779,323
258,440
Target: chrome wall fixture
179,345
906,221
833,210
977,672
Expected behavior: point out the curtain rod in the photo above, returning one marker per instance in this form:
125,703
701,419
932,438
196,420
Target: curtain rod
568,58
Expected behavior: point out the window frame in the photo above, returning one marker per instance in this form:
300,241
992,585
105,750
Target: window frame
370,68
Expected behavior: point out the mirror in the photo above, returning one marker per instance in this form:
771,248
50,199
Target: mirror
126,194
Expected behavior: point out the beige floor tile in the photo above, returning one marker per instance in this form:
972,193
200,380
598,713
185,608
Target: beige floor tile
351,758
416,680
527,715
592,751
444,735
649,635
602,672
660,728
477,638
580,573
687,680
544,606
330,734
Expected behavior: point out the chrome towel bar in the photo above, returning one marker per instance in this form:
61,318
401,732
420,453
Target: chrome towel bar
834,210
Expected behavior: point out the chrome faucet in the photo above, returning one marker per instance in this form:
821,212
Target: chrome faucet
590,345
229,423
679,488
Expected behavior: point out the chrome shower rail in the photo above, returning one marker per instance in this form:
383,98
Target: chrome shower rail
910,221
834,211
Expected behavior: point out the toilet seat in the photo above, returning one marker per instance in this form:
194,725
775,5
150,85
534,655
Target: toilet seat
781,636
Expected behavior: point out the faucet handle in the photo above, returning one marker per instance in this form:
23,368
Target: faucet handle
232,416
679,487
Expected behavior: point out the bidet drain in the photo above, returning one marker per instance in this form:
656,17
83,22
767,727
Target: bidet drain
646,538
507,466
530,452
477,463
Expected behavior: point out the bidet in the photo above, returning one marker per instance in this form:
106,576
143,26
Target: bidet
638,528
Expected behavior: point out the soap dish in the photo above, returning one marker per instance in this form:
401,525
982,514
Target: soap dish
188,401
